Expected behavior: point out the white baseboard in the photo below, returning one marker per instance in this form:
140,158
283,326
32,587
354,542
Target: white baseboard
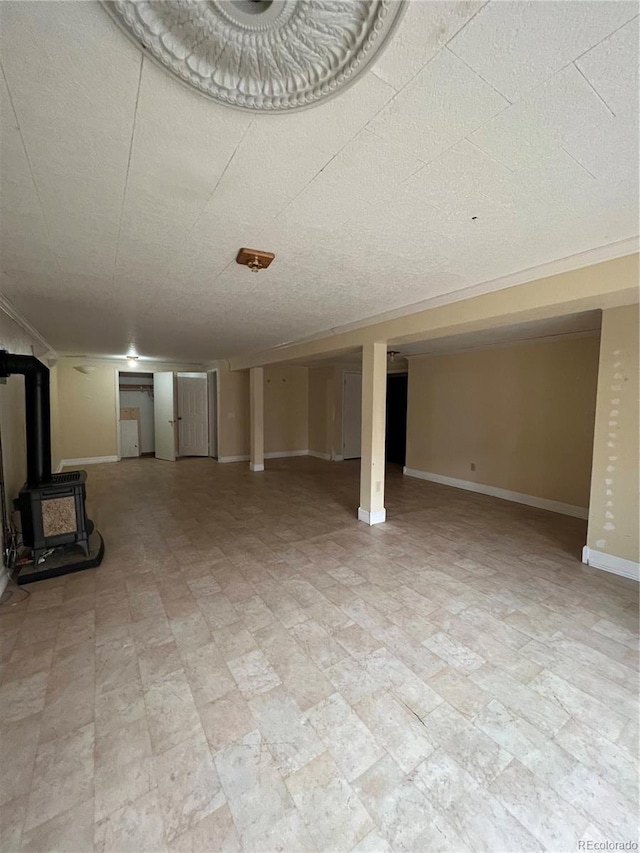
256,466
504,494
283,454
85,460
319,455
224,459
611,563
372,518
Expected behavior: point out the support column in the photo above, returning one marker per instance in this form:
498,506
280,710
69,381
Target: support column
372,462
256,407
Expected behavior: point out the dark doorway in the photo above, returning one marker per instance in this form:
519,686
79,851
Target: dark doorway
396,440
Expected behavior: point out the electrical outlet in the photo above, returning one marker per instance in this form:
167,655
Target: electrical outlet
473,466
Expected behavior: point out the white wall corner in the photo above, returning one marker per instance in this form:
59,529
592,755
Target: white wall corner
611,563
503,494
225,459
319,455
371,518
256,466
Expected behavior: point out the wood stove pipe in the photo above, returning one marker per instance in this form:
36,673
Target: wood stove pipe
37,411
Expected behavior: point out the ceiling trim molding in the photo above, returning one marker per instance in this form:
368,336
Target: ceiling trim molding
20,320
601,254
517,342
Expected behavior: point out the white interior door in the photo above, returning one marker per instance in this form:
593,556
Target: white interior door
352,415
164,410
193,415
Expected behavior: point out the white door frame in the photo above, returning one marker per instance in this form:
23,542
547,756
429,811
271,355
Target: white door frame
214,447
118,442
191,374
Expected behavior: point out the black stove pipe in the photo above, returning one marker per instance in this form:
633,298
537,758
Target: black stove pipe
37,411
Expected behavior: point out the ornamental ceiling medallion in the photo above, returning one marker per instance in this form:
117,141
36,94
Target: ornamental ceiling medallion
261,55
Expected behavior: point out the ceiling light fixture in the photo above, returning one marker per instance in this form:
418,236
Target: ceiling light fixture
392,355
132,360
255,259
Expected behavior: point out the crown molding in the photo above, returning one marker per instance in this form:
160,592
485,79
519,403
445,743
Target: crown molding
20,320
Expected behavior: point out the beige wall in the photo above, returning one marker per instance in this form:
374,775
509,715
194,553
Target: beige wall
233,414
522,414
321,409
286,419
86,411
614,510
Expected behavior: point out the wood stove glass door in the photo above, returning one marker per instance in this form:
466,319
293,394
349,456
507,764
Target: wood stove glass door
164,406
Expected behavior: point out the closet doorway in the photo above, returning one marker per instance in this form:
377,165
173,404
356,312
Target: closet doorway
137,421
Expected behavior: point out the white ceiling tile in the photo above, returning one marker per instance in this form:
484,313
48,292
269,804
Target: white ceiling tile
424,29
331,124
516,44
445,102
528,132
359,225
366,171
612,69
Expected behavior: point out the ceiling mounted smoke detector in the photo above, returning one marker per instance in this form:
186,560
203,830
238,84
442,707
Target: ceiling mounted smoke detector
255,259
261,55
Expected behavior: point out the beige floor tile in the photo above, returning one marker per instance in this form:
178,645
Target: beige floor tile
226,720
207,674
135,828
11,820
188,785
62,776
171,712
350,743
395,728
18,745
399,808
118,707
234,640
254,788
600,802
603,757
286,730
334,815
393,620
546,816
289,833
123,767
116,664
459,691
351,680
253,673
70,831
27,661
216,832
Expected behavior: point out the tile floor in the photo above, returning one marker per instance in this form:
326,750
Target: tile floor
252,669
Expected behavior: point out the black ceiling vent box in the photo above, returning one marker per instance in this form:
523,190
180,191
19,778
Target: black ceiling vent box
52,509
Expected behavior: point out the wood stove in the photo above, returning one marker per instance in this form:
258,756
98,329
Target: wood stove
52,506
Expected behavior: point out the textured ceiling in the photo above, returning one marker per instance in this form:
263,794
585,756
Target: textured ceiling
125,196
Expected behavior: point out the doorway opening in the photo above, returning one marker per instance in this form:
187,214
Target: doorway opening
396,431
136,414
352,416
